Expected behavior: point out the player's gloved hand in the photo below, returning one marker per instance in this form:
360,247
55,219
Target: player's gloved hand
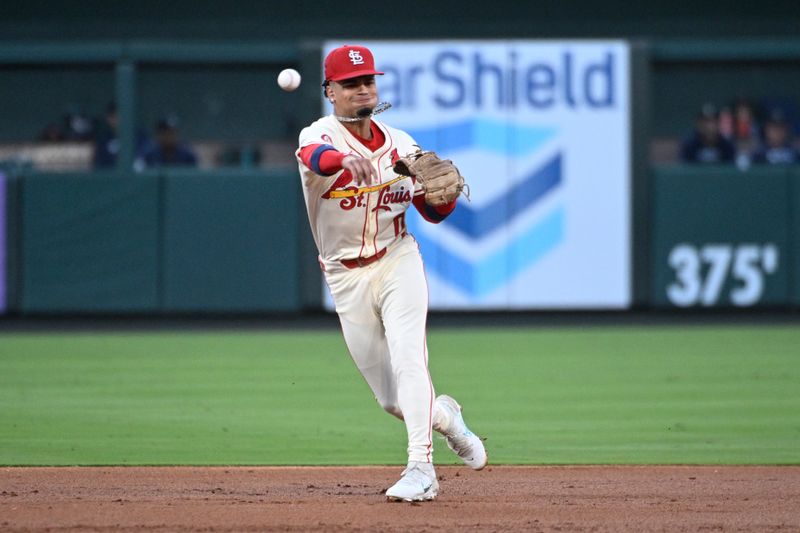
439,177
361,169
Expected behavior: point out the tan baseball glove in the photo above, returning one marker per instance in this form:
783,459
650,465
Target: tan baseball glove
439,177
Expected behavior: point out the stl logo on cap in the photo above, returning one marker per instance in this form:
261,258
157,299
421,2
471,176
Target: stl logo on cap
349,61
355,57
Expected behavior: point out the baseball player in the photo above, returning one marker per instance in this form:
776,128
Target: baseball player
356,202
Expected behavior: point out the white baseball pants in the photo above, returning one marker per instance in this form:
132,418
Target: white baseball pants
383,309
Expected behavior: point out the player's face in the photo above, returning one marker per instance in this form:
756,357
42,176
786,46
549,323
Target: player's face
348,96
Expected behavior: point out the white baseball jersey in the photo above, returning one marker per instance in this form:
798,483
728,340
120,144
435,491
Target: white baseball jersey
347,221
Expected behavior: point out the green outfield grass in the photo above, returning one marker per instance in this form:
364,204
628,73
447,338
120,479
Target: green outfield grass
541,396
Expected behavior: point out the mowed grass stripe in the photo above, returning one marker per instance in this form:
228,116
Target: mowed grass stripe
540,396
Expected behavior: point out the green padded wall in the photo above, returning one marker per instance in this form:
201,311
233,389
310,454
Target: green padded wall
721,237
89,243
237,242
231,242
794,225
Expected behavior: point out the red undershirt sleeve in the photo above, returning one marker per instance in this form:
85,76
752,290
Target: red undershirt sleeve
323,159
434,214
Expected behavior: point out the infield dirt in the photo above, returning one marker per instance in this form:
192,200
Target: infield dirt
500,498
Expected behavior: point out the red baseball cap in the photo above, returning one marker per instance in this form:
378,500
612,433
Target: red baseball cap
349,62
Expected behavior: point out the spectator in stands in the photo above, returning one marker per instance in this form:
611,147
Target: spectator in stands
51,133
77,125
777,148
745,131
106,143
74,126
168,150
706,144
106,140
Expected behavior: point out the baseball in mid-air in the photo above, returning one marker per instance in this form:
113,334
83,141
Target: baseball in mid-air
289,79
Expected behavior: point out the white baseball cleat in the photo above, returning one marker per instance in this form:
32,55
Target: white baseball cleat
468,446
418,483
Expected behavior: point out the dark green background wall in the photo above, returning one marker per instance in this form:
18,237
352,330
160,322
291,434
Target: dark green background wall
243,102
90,19
681,87
219,101
34,96
214,102
218,109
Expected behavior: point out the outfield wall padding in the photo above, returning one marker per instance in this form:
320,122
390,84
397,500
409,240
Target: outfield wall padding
171,241
238,241
230,242
724,238
89,243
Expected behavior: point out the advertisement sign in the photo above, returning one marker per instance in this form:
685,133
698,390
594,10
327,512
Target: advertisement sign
541,132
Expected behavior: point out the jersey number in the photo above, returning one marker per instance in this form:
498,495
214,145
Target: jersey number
400,225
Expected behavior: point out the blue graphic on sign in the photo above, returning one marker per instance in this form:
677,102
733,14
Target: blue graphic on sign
477,223
479,276
491,135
